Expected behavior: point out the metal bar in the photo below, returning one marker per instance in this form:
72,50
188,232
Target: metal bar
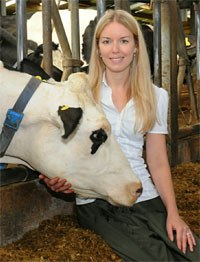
192,19
21,31
75,31
67,67
173,83
101,8
122,4
47,37
183,54
167,54
117,4
165,44
157,43
64,43
3,7
197,20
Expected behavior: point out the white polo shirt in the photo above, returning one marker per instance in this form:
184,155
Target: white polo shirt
131,143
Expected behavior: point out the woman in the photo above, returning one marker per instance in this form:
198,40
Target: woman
150,230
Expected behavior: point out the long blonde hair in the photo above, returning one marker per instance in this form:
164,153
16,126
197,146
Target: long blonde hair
142,91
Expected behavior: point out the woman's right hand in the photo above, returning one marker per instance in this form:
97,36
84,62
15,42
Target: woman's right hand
57,184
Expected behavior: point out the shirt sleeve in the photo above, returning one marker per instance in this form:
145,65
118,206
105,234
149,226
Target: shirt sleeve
161,125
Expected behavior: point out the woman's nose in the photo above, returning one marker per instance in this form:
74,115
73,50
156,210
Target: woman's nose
115,47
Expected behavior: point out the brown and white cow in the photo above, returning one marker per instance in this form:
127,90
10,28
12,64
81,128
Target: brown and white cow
64,133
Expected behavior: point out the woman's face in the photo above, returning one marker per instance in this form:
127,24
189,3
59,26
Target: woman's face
116,47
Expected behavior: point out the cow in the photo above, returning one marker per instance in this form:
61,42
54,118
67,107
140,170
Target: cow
8,54
8,41
34,28
65,133
31,68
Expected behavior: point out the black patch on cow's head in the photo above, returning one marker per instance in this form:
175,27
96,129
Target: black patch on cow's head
70,118
98,137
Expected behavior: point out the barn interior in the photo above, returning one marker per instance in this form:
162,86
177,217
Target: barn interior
32,229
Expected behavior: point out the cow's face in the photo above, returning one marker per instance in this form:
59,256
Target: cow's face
96,164
65,134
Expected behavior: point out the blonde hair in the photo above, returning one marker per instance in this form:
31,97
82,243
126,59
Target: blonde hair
142,91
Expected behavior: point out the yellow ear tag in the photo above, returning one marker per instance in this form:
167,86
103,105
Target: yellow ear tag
38,77
64,108
187,42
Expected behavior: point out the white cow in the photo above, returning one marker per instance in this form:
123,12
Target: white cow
65,134
35,33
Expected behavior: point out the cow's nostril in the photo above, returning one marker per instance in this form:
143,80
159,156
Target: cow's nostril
139,190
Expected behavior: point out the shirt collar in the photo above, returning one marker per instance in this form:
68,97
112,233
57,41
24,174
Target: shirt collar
104,80
107,94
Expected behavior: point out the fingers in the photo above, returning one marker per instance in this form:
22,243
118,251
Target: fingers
184,239
170,233
183,242
184,236
60,185
45,179
56,184
41,176
190,240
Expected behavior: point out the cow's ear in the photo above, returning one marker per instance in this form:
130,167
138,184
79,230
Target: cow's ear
70,117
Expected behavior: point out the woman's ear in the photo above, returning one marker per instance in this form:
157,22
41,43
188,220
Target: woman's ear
98,52
135,51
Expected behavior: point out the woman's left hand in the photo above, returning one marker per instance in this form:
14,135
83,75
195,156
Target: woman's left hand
184,235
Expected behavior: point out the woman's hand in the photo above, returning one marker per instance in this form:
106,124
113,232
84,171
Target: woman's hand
56,184
184,235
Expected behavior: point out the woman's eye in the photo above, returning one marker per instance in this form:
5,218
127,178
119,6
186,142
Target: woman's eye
105,42
124,41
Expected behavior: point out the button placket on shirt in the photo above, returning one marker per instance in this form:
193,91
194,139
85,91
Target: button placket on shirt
119,122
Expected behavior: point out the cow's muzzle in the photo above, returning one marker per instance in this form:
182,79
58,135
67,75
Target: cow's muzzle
97,137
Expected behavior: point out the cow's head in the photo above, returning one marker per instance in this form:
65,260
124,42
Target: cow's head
100,169
64,133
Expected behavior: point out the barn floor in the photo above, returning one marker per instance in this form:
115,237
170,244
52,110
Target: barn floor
62,240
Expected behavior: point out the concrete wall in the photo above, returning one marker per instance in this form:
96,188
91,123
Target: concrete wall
24,205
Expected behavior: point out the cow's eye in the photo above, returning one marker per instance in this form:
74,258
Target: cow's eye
97,137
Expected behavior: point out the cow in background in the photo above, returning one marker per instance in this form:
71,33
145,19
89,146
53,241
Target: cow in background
32,63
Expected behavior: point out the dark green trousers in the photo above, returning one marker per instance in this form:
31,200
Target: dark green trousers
137,233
